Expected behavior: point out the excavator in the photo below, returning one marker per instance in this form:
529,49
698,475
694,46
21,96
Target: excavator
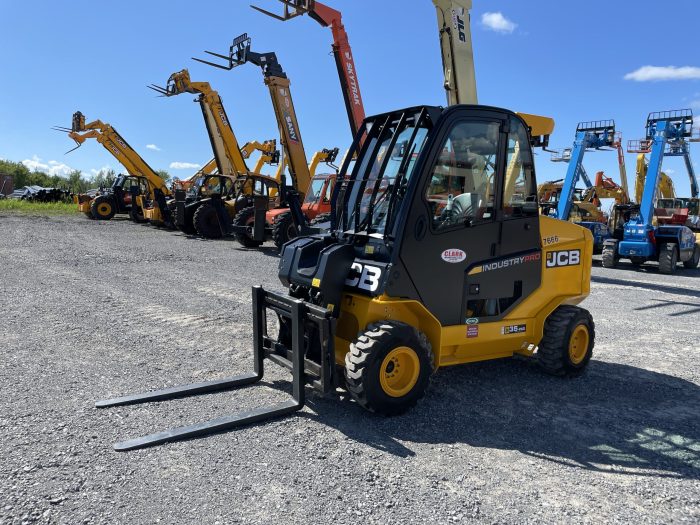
143,194
253,224
650,234
420,269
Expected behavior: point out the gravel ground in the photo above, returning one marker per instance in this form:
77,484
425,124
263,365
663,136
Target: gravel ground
96,309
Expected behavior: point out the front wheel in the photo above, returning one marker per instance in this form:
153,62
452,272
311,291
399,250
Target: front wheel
609,256
694,259
206,222
567,345
102,208
668,258
388,367
246,219
284,229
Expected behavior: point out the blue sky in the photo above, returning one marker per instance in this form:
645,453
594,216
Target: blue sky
549,57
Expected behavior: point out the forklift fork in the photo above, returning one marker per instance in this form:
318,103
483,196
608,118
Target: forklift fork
321,375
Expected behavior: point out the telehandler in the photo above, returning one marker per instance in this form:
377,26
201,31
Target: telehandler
252,224
143,180
210,207
425,266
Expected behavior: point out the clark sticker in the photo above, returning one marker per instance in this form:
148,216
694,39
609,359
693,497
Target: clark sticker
453,255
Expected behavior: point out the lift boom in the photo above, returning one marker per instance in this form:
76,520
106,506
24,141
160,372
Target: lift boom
277,82
458,63
342,51
227,152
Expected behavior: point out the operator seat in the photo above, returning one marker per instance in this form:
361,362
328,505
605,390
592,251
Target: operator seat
466,205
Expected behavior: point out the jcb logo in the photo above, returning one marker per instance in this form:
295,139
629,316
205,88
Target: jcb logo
563,258
364,277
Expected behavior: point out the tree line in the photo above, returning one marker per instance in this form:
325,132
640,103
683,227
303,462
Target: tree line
75,182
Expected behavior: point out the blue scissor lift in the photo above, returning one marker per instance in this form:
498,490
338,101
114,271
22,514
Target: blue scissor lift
590,136
667,135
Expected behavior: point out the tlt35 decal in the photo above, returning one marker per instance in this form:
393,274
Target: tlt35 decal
563,258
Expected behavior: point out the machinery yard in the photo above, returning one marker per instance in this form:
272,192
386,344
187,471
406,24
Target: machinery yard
89,314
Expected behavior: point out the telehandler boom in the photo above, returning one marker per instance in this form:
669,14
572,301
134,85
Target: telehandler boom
249,224
342,51
419,271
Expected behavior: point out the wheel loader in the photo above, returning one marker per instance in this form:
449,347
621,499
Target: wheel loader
436,256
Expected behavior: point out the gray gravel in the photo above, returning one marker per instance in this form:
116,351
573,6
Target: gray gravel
95,309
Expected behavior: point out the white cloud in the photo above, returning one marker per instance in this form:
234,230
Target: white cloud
661,73
153,147
184,166
497,22
53,167
103,169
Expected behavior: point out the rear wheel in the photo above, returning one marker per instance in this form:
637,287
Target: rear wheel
246,218
694,259
89,215
206,222
668,258
284,229
388,367
102,208
136,214
567,345
609,257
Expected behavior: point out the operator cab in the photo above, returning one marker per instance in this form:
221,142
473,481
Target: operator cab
436,196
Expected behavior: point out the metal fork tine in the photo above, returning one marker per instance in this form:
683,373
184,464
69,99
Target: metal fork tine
211,63
225,57
268,13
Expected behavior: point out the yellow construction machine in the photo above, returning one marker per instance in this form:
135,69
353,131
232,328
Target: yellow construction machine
254,224
209,206
143,194
436,256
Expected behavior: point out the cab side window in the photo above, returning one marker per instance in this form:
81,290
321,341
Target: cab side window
462,184
519,182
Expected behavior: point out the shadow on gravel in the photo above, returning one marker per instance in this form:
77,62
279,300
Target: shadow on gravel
652,269
694,308
616,418
647,286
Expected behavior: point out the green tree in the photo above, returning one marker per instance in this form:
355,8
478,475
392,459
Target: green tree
164,175
19,172
76,182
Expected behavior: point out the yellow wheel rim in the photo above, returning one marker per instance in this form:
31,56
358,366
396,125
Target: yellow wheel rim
399,371
104,208
578,344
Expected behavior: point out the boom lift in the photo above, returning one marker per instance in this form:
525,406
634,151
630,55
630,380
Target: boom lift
342,51
150,184
667,135
412,278
590,136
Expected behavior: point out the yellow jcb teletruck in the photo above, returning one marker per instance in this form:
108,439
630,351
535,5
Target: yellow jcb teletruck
437,256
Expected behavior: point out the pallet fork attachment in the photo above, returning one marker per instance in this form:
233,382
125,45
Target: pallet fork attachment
321,374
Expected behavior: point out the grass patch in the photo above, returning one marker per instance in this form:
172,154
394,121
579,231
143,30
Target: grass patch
43,208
